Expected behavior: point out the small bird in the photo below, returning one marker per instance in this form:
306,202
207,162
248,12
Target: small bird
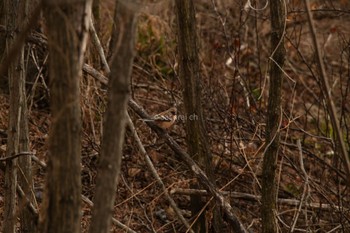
164,119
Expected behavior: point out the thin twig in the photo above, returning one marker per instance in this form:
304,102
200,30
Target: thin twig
96,41
16,156
94,73
27,202
155,174
327,92
21,194
306,188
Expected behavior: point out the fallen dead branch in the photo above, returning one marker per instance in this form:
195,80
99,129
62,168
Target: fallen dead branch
257,198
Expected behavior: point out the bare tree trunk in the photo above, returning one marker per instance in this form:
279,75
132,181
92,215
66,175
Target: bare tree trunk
190,75
114,123
25,179
114,34
2,32
92,51
3,78
268,208
16,76
67,26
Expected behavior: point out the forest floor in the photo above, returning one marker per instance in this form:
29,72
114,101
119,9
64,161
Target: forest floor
234,53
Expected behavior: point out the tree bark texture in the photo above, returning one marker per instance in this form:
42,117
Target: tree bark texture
114,122
16,77
189,71
2,33
114,34
3,79
268,208
67,29
25,180
93,52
